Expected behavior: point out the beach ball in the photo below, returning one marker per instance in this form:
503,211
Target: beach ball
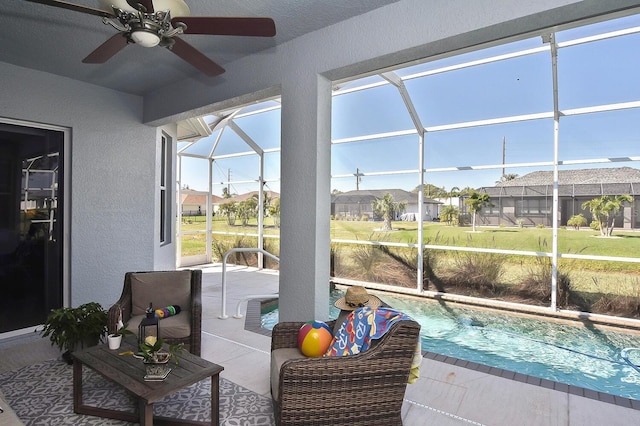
314,338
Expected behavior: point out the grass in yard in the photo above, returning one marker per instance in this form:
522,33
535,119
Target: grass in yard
624,243
589,277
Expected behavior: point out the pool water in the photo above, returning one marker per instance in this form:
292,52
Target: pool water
576,355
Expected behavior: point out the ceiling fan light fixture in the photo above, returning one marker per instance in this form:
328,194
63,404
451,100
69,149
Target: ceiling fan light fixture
145,38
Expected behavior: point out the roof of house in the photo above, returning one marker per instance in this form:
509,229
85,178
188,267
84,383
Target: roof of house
572,183
577,177
243,197
198,198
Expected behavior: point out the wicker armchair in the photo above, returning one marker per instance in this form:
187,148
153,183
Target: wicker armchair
163,288
363,389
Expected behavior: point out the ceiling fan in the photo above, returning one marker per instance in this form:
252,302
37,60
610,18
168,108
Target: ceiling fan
150,23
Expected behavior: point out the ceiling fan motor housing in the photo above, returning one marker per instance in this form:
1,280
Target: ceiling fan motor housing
177,7
146,29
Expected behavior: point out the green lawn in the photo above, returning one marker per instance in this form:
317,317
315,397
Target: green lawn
587,275
585,241
197,223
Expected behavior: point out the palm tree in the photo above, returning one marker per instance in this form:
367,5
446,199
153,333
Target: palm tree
453,192
246,210
386,208
229,210
450,215
507,177
604,210
476,202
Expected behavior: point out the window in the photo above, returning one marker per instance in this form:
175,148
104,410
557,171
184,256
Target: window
166,162
533,207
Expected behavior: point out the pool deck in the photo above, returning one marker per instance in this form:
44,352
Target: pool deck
449,391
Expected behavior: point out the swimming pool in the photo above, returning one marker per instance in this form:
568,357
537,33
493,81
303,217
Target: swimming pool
559,351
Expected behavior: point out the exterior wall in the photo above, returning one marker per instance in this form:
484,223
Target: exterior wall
508,213
430,210
356,211
112,184
352,210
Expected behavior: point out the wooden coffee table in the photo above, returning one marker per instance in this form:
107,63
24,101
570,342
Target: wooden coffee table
128,372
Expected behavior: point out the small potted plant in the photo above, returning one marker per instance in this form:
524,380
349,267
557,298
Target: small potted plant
73,328
151,351
155,359
115,339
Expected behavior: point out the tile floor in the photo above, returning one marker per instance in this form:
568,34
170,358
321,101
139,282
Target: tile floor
446,393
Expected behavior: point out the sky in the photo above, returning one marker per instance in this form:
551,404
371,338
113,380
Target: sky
445,93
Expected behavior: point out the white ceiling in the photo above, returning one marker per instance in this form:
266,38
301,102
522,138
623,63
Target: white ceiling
56,40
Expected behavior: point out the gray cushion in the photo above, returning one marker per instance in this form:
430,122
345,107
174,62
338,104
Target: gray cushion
176,327
161,289
278,357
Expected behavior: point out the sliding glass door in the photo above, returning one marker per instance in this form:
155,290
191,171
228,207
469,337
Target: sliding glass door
31,207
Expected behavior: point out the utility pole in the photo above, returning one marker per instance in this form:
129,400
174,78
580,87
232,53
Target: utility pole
229,181
358,175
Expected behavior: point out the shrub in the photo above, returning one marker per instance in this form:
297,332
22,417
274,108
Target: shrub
537,285
520,222
272,245
614,303
577,220
367,258
222,245
595,225
407,259
450,215
480,271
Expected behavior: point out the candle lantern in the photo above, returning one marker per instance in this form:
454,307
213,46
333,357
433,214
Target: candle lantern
149,325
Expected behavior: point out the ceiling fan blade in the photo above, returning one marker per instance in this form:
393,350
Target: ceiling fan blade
253,27
75,7
195,57
107,49
147,4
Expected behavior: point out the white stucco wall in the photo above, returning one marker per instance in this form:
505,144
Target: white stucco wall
112,176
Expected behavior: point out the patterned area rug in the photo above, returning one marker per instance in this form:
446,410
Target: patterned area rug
41,394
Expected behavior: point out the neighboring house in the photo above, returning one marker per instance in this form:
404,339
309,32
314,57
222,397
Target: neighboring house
358,203
530,198
194,203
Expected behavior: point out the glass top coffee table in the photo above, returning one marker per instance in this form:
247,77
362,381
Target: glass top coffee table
128,372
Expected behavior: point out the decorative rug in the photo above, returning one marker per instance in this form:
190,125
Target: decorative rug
42,394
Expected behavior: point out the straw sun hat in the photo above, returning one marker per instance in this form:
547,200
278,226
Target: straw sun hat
357,297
